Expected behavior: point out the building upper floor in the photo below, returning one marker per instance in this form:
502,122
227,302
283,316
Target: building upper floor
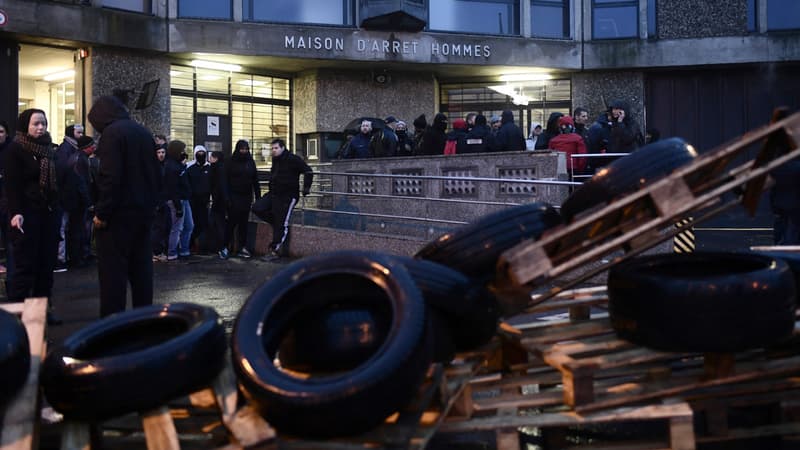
554,34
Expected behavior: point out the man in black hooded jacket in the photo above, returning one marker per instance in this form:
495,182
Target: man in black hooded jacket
128,182
509,138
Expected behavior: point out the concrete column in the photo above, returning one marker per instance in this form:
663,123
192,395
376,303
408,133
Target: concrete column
525,18
9,81
761,16
586,5
576,15
238,10
642,19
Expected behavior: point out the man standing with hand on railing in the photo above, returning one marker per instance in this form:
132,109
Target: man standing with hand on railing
276,206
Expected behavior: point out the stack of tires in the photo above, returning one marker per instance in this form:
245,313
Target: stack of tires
335,343
696,302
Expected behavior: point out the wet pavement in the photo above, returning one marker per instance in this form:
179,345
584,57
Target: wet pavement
221,284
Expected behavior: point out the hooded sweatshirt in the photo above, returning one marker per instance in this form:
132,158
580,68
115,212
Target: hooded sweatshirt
434,138
480,138
198,174
509,137
128,178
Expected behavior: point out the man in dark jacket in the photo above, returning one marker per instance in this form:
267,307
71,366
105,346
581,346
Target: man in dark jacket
479,138
359,146
276,207
77,201
614,131
434,138
218,185
198,172
127,188
510,137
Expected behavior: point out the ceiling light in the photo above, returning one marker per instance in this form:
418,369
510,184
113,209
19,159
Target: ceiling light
174,73
215,65
59,75
21,103
526,77
516,95
209,78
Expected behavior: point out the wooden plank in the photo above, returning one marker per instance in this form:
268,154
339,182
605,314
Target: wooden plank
22,414
668,197
245,425
159,430
571,418
681,433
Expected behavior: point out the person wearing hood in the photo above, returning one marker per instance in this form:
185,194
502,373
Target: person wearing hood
420,125
550,131
570,143
31,188
198,171
276,206
480,138
242,187
434,138
68,147
509,137
177,193
77,200
127,183
614,131
162,223
405,143
218,185
533,138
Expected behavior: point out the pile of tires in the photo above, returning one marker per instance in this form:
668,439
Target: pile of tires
703,302
15,356
355,331
135,361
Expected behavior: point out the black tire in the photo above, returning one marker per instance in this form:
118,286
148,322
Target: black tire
628,174
15,356
475,248
702,302
135,361
346,402
792,260
469,309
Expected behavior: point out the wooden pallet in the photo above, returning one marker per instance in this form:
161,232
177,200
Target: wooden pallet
19,429
636,222
445,393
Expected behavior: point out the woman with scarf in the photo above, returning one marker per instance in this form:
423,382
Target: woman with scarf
32,194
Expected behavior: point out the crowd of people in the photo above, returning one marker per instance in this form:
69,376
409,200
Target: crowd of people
128,188
614,131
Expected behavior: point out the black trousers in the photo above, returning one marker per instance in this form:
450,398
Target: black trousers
35,254
237,222
199,206
76,236
216,229
276,210
160,230
123,256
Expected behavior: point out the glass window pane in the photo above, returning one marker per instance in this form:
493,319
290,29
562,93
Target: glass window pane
130,5
211,106
751,15
615,22
651,18
548,21
181,77
486,17
182,119
242,84
783,14
212,81
205,9
333,12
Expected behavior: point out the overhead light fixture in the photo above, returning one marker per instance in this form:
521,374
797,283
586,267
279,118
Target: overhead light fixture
203,64
21,103
526,77
174,73
517,97
209,78
63,75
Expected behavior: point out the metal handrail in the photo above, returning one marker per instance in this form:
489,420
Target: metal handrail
411,197
439,177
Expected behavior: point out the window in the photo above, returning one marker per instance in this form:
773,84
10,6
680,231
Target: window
652,19
206,9
475,16
550,19
259,106
615,19
752,16
783,15
330,12
143,6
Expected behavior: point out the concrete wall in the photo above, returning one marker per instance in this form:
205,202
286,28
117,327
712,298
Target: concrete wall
681,19
417,198
595,90
111,69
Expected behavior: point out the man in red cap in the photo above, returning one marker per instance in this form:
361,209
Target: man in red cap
570,143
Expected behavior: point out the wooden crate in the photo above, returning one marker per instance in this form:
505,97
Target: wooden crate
19,429
636,222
